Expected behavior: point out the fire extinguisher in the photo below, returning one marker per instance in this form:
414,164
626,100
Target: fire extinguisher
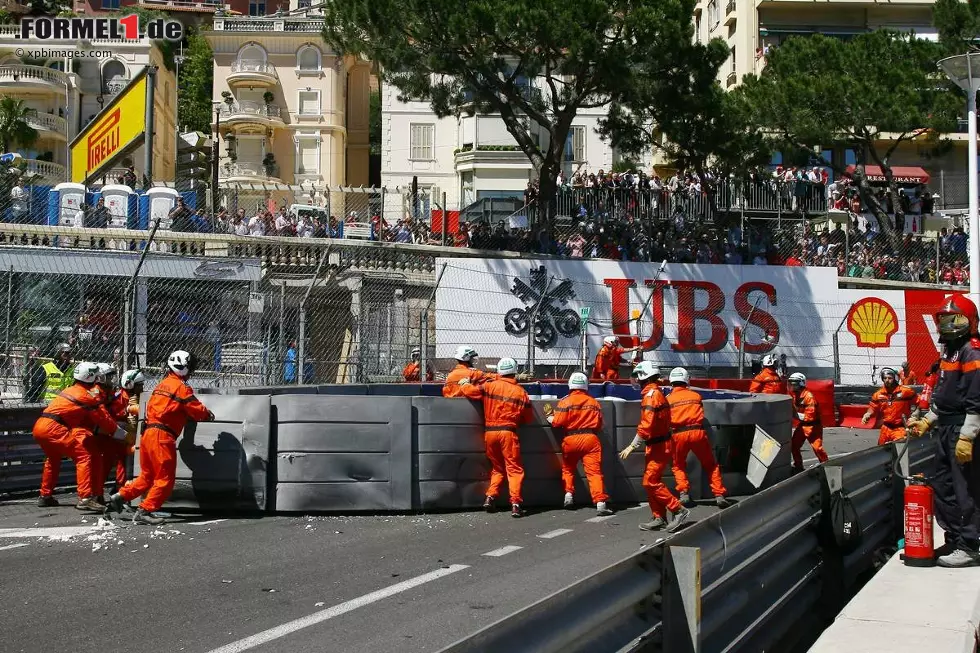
918,511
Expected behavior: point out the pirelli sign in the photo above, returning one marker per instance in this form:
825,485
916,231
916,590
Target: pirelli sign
117,130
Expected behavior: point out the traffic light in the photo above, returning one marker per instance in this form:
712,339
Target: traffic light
194,152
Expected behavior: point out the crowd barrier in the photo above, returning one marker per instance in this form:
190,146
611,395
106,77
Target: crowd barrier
764,575
336,451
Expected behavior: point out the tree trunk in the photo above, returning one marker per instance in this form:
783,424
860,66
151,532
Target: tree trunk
885,222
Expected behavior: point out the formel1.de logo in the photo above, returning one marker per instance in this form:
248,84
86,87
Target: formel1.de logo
45,28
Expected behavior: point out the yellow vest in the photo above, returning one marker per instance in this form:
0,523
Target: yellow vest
56,380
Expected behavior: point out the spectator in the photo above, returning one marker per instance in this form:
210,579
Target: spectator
256,225
180,217
18,203
99,217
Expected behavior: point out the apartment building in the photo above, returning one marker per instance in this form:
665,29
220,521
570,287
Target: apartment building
472,158
288,109
67,92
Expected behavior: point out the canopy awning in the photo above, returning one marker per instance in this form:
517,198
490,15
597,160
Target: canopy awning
901,174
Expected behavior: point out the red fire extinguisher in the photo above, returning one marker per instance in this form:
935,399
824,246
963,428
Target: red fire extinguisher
919,549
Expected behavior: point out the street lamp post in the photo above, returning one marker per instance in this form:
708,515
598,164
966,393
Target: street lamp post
964,70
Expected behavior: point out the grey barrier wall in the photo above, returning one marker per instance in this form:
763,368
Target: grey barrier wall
21,460
343,454
766,576
222,465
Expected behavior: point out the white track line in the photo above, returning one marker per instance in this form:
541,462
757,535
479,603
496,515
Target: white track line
202,523
13,546
597,520
502,551
336,611
555,533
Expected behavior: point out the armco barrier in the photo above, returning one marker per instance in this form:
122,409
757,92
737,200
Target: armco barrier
343,454
223,464
760,576
21,460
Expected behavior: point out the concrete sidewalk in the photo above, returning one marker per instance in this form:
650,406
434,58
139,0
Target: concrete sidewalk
908,609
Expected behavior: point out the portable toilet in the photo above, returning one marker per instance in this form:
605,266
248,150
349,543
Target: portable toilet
162,201
121,202
64,203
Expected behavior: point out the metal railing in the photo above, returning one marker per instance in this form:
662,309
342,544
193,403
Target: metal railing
268,24
763,566
248,109
253,66
249,169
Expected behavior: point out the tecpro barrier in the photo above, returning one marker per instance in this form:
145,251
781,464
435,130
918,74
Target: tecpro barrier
338,452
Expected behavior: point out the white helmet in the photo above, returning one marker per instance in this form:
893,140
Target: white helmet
416,352
107,373
610,340
797,380
578,381
465,354
86,372
645,370
679,375
132,378
181,363
506,367
769,360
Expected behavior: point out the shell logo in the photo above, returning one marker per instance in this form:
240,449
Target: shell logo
873,322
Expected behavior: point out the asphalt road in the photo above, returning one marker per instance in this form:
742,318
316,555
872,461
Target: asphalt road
408,583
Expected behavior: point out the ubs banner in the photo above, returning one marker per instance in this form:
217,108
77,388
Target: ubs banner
691,315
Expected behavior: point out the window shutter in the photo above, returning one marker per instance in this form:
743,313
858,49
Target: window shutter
309,103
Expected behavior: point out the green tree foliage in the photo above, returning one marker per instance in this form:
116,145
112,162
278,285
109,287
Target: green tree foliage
478,56
14,129
195,83
872,93
958,24
374,122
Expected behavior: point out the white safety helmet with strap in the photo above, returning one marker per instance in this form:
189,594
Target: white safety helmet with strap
888,370
181,363
86,372
769,360
465,354
679,375
645,370
797,380
107,373
132,378
416,352
506,367
610,340
578,381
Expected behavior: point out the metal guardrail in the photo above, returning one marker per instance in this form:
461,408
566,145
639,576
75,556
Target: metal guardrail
21,460
764,565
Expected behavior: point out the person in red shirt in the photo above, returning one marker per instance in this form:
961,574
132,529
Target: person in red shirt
505,407
465,370
806,422
608,359
893,403
172,404
580,417
768,381
412,371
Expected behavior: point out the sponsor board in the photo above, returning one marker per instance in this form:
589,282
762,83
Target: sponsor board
693,315
111,134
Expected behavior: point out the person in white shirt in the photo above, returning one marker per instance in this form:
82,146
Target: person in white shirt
256,226
18,203
282,224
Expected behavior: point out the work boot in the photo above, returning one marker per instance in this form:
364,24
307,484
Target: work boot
795,470
489,504
517,510
602,510
144,517
115,504
654,525
569,501
88,504
47,501
677,519
685,498
960,558
723,502
100,499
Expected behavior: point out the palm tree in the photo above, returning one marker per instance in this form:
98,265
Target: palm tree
14,128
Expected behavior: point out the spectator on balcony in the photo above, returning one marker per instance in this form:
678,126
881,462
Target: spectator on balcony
304,227
18,203
403,233
129,177
239,225
957,242
222,223
180,216
200,222
257,224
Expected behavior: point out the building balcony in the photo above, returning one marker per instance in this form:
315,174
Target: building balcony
278,24
487,159
251,113
249,171
730,13
252,72
183,5
732,79
14,77
44,173
49,125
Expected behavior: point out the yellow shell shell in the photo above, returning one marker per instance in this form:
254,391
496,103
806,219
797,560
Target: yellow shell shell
874,322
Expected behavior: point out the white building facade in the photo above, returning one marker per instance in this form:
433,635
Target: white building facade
473,157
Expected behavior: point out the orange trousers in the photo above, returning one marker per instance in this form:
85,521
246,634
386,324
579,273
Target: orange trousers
890,434
504,452
658,496
56,442
587,448
697,441
114,453
88,462
813,435
158,470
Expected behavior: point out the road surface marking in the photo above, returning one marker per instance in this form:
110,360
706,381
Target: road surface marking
13,546
53,532
636,507
597,520
336,611
554,533
502,551
202,523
